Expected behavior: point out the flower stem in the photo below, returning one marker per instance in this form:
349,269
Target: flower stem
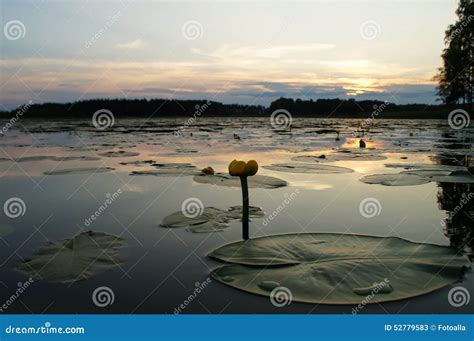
245,207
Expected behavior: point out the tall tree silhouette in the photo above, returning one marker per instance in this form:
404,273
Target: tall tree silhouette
456,76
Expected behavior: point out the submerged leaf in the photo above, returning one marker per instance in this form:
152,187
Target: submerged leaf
256,181
308,168
340,270
211,219
74,259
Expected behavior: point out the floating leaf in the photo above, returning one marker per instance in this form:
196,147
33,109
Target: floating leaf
425,166
80,171
52,158
308,168
119,153
210,220
341,270
170,169
74,259
353,156
397,179
256,181
460,176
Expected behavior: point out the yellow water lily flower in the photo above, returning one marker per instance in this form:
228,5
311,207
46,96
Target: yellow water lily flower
242,168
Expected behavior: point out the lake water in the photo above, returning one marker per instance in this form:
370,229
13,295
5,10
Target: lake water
160,267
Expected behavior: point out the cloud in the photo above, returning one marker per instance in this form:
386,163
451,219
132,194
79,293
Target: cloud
132,45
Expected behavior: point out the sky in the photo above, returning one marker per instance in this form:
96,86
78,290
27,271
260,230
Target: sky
248,52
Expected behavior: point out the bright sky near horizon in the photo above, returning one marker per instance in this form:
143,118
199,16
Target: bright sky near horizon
233,52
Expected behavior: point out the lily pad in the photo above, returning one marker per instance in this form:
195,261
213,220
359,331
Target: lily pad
119,153
308,168
72,171
353,156
74,259
330,268
459,176
170,169
52,158
396,179
425,166
210,220
256,181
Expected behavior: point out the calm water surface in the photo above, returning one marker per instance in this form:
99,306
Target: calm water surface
161,266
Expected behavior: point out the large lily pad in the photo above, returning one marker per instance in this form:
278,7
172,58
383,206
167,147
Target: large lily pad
256,181
210,220
329,268
397,179
74,259
308,168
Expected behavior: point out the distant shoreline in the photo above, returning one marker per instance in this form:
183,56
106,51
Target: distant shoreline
192,109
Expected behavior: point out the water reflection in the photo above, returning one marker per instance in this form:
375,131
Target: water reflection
457,199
